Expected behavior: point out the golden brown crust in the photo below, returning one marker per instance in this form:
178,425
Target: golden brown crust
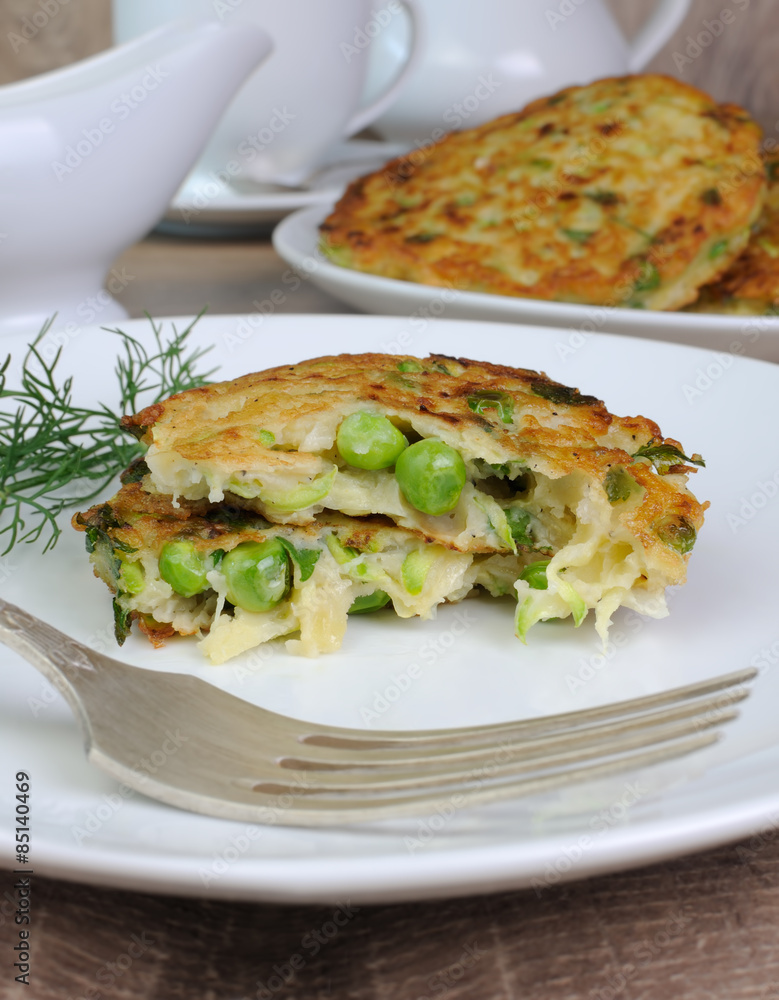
630,191
547,470
490,413
155,632
547,418
663,503
751,283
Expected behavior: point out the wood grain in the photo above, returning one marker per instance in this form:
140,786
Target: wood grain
738,65
39,35
164,276
701,928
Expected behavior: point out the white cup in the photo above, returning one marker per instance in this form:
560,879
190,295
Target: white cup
489,58
307,95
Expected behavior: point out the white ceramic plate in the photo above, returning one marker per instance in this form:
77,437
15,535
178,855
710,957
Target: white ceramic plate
464,667
296,239
209,201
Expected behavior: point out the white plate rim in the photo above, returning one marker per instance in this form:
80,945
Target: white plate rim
296,240
502,867
383,879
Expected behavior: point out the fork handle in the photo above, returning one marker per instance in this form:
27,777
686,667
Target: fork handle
58,658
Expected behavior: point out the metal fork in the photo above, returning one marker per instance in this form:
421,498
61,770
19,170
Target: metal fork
184,742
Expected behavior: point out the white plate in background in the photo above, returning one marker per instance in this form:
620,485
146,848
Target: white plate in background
296,240
722,620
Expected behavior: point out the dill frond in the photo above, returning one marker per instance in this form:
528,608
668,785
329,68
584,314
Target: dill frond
55,454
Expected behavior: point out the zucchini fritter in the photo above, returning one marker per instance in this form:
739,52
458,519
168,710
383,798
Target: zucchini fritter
329,567
630,191
454,473
750,286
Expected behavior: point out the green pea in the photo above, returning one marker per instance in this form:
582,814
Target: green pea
431,476
535,574
369,441
257,574
183,567
131,577
369,602
678,533
415,568
489,399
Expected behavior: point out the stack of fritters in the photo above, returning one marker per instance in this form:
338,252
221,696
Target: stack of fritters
453,475
750,286
634,191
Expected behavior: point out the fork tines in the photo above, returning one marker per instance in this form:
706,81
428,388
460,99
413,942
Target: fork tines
393,773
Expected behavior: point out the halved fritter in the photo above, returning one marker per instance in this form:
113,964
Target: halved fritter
151,554
530,466
630,191
750,286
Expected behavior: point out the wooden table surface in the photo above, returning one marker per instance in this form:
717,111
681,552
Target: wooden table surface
698,927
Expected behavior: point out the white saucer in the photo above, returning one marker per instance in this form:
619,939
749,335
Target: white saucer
207,202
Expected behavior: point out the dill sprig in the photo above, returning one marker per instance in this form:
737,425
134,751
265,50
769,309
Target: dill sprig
54,453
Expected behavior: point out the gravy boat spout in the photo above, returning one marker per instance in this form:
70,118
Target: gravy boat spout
91,155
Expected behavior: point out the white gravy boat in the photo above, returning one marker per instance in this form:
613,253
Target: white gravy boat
484,59
90,156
